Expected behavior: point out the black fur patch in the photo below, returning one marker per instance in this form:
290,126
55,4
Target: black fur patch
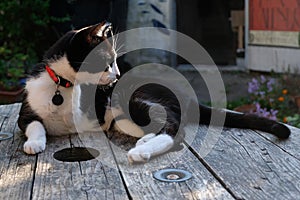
27,115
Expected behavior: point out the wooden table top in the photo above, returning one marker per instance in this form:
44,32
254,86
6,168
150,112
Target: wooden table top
242,164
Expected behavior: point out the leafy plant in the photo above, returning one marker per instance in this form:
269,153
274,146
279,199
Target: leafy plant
24,35
231,105
294,120
11,70
272,99
292,81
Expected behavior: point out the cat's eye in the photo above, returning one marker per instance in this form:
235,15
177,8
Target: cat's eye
97,38
108,33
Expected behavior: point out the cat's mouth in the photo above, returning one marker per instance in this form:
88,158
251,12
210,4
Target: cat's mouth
107,77
110,75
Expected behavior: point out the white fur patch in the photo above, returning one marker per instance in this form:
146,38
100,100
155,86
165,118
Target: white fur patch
149,103
128,127
62,67
115,69
102,78
36,135
145,139
110,114
123,125
153,147
58,120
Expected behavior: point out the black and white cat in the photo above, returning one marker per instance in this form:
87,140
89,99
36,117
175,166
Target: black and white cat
54,105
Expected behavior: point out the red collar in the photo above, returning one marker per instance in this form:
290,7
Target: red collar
58,79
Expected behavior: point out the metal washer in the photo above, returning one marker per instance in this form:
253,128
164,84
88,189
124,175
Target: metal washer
5,136
162,175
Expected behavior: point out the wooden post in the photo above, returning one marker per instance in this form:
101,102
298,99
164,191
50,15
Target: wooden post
240,37
237,23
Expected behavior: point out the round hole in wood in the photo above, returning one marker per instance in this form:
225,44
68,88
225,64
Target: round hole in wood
76,154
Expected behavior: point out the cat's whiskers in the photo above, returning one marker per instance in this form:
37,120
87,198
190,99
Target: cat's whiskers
120,47
117,46
116,38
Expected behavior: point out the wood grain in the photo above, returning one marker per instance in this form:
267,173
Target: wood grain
16,169
74,180
291,145
42,177
141,184
103,171
243,164
252,167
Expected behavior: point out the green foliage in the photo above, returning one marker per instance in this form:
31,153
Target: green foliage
22,25
231,105
24,35
294,120
11,70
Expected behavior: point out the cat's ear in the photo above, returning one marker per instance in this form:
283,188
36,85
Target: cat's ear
100,29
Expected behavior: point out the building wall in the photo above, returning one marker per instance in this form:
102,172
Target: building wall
157,14
274,35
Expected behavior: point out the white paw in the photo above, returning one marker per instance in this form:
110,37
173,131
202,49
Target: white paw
145,139
138,154
34,146
155,145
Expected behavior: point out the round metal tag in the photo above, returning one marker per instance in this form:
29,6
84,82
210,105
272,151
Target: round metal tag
5,135
172,175
57,99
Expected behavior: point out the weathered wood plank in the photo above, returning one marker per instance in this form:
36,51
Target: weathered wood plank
252,167
53,179
104,180
16,169
74,180
291,145
249,164
5,111
141,184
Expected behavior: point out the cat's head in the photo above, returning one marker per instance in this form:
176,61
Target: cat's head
90,51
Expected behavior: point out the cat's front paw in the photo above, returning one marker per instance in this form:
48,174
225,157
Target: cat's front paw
139,154
34,146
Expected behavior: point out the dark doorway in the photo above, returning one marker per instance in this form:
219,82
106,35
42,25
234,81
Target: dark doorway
209,23
83,13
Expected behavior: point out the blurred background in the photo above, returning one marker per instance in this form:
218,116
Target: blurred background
255,44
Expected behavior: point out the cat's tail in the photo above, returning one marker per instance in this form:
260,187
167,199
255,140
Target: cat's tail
241,120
